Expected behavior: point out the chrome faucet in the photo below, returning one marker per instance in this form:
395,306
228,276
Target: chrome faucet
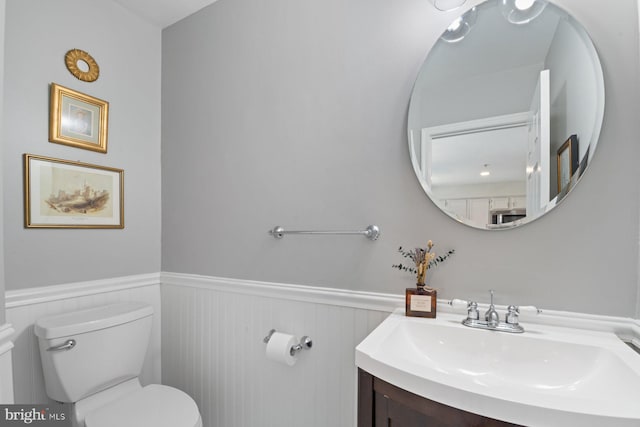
491,316
492,319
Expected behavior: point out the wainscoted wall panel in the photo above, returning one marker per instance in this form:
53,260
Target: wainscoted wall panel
26,306
6,373
213,349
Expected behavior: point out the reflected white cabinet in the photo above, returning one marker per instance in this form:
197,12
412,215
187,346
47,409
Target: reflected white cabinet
517,202
458,207
511,202
478,209
499,203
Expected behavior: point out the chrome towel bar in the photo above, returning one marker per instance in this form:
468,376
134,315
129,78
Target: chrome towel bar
372,232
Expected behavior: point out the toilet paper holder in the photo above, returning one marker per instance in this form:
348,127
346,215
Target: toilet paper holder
304,344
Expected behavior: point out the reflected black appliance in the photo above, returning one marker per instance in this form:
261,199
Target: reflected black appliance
504,216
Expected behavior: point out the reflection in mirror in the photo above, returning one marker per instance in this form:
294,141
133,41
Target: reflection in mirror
447,5
505,114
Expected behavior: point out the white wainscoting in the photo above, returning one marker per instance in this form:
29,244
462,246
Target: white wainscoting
24,307
6,374
213,349
210,336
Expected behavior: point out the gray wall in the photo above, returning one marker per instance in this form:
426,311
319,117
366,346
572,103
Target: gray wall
638,292
573,109
38,33
2,286
477,95
294,113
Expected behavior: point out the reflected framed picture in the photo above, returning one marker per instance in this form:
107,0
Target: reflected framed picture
567,161
77,119
66,194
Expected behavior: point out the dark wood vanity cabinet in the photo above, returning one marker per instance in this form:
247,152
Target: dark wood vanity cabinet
381,404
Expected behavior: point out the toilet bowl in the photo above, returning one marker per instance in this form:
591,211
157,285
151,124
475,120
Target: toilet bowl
92,358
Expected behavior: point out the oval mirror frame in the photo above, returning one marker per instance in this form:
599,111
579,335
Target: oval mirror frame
482,113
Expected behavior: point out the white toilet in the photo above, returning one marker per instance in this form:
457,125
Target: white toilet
92,358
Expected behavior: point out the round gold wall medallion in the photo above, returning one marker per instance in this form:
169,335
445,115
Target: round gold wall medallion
76,55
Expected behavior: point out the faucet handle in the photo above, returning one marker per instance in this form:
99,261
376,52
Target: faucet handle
512,315
472,311
458,303
529,309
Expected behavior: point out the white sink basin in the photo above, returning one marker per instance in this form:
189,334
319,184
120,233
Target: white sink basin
548,376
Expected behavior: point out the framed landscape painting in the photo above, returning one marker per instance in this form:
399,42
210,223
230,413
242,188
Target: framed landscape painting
66,194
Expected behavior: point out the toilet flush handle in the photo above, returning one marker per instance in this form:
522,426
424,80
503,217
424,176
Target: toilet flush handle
68,345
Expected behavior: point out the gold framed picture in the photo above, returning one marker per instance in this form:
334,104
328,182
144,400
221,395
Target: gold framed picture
77,119
65,194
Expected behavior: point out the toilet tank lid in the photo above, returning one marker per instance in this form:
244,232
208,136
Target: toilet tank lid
91,319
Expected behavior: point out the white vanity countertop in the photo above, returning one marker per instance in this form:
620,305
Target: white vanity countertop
548,376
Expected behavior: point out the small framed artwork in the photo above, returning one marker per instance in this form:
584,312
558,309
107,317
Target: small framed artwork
66,194
567,161
77,119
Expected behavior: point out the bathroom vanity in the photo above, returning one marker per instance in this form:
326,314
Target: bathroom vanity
415,371
383,404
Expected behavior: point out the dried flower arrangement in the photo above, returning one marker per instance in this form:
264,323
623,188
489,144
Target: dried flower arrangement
423,259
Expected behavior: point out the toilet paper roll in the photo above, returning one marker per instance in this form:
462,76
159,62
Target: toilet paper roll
279,348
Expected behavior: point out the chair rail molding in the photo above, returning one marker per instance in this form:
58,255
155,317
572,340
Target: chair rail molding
312,294
43,294
627,328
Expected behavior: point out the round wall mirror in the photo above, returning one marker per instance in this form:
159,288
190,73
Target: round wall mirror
505,113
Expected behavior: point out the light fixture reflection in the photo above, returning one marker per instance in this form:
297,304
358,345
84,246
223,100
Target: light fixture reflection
460,27
524,4
447,5
522,11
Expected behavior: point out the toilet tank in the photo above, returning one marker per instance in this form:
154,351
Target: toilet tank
109,347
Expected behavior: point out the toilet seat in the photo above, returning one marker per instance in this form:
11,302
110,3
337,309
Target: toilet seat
154,406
